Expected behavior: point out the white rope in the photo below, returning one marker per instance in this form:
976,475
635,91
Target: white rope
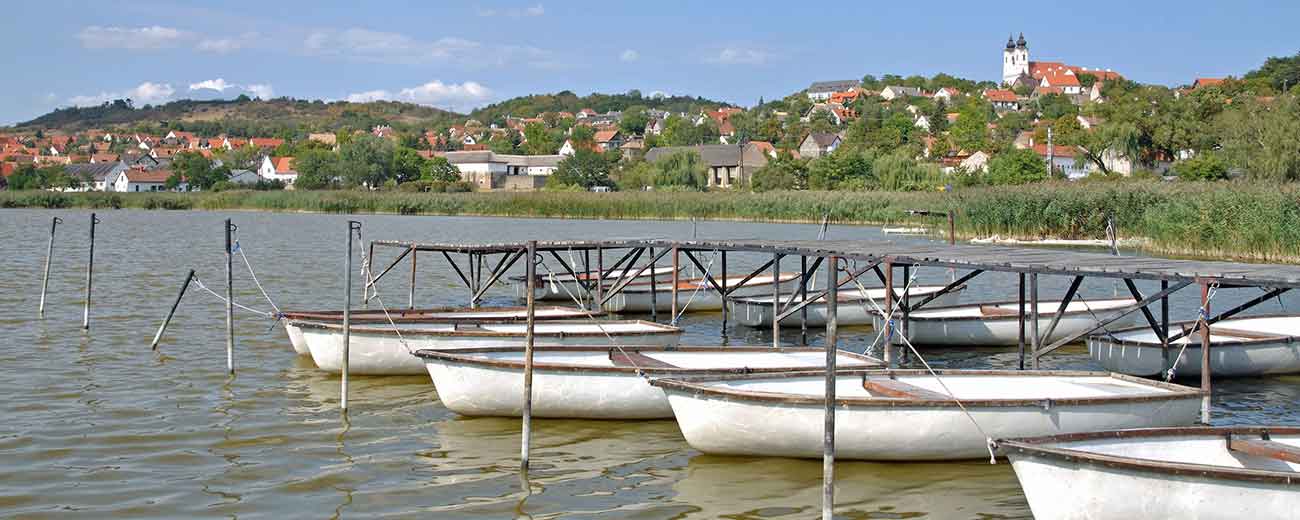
1200,318
236,304
366,274
255,280
591,316
699,285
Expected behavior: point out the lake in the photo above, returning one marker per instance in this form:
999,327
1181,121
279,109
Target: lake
97,424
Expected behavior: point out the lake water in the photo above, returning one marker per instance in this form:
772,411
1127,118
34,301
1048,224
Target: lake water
96,424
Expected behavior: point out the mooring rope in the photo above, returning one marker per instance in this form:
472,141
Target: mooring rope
1200,318
199,282
592,317
700,285
366,274
256,282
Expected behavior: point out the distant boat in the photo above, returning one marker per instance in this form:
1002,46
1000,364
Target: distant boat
854,306
904,230
383,350
998,324
693,294
1239,347
564,286
1230,472
907,415
598,382
294,319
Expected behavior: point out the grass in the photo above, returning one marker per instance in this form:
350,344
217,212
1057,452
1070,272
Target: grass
1226,220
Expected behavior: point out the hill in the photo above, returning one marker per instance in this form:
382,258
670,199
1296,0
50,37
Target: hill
566,101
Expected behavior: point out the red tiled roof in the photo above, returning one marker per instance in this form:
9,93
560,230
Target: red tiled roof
157,176
1057,151
1206,82
604,136
1000,95
282,164
7,169
1061,79
266,142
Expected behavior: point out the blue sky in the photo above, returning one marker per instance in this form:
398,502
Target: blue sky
463,54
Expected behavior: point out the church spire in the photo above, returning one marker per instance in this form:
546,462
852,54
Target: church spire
1011,44
1021,42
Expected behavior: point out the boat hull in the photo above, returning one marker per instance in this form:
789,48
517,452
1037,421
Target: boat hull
753,312
993,332
688,299
1242,347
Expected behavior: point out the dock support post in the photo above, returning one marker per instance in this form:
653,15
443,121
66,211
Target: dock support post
600,278
370,261
90,274
586,275
952,227
158,337
907,306
677,280
353,226
654,289
828,429
803,296
889,315
49,255
1205,352
410,298
1164,324
776,300
528,357
1020,343
230,300
1037,341
724,291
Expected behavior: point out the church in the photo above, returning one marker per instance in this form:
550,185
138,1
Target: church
1044,76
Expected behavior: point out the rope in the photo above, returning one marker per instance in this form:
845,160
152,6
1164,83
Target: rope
256,281
698,286
366,274
199,282
1200,318
639,371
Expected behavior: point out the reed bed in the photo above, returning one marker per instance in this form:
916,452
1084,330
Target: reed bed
1224,220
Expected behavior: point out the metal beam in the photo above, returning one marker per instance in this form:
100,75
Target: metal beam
390,267
1060,309
708,277
498,271
1161,332
1103,323
805,276
619,288
947,289
1235,310
808,300
459,273
749,277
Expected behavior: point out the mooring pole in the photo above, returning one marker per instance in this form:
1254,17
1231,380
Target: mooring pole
600,276
677,280
1164,325
49,255
586,274
528,357
1036,340
952,227
906,306
723,296
353,226
1205,352
158,337
776,299
654,289
1020,343
370,261
828,429
803,295
230,301
410,299
889,315
90,274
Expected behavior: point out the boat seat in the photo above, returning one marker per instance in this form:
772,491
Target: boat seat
634,359
1265,448
1238,333
993,310
900,390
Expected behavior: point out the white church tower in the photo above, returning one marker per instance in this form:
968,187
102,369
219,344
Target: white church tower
1015,60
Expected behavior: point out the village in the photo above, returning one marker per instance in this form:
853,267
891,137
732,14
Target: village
948,125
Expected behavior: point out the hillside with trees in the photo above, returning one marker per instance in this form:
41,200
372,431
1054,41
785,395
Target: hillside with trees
566,101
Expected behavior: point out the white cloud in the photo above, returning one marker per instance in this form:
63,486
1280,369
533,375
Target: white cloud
629,55
147,93
219,85
514,12
263,91
457,96
220,46
658,94
395,48
133,38
738,56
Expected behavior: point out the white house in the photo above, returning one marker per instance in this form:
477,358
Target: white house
132,181
817,144
822,90
977,162
489,170
102,174
922,122
278,169
947,94
892,92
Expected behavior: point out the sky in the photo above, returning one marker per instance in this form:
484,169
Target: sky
463,54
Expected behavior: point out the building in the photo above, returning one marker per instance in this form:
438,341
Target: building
608,139
1206,82
489,170
1062,159
728,164
894,92
1002,99
278,169
822,90
102,174
133,181
1018,68
817,144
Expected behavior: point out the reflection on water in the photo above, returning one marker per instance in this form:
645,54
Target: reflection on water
98,423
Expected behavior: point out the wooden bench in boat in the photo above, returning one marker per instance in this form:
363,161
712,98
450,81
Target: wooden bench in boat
634,359
900,390
1194,336
1265,448
995,311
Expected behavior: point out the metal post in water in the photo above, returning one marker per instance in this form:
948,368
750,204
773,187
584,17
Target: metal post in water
1036,340
677,280
803,295
353,226
370,261
230,301
654,289
889,315
1205,352
776,300
600,275
528,357
952,227
1164,324
828,429
905,303
724,292
49,255
158,337
1020,343
90,274
410,299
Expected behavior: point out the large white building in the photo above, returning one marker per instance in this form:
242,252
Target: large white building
1015,60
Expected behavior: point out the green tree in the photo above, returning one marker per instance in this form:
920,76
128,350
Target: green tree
970,132
538,140
317,169
634,120
407,165
782,173
585,169
366,161
1207,166
684,169
1264,138
198,170
1016,166
438,169
845,168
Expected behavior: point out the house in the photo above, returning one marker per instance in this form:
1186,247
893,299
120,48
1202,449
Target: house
822,90
947,94
608,139
278,169
489,170
817,144
634,147
104,157
1062,159
102,175
133,180
324,137
383,132
244,177
765,147
922,122
976,162
1063,79
728,164
585,113
1088,123
1017,68
1002,99
266,143
1207,82
894,92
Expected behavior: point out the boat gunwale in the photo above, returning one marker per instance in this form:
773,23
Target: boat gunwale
1033,446
690,284
1042,316
460,357
765,300
659,329
565,277
697,388
406,315
1107,337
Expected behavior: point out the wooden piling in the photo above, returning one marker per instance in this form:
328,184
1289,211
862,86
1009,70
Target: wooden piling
828,428
49,255
906,303
724,291
803,296
370,261
1205,352
230,301
161,328
952,227
776,300
600,277
90,274
1164,325
528,357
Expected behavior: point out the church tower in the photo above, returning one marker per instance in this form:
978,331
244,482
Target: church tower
1015,59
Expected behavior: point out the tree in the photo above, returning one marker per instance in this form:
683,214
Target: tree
538,140
585,169
1264,139
846,168
782,173
1016,166
198,170
634,120
1207,166
317,169
684,169
366,160
1281,73
407,165
438,169
1099,145
971,131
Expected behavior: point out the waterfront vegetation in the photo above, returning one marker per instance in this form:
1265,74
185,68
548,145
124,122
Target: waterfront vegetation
1223,219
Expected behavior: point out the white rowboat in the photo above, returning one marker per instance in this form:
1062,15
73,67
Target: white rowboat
563,286
1205,473
383,350
998,324
1239,347
854,306
294,319
599,382
907,415
693,294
